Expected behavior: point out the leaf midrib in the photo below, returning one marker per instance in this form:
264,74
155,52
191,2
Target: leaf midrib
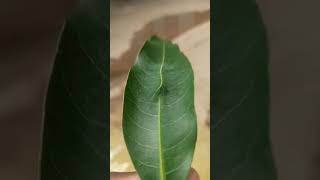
161,162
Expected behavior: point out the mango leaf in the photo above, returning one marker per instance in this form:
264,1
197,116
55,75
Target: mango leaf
159,119
240,127
75,136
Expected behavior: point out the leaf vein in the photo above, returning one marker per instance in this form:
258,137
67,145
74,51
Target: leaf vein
179,142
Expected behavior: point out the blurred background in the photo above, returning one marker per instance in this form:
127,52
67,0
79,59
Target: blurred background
294,76
185,22
29,34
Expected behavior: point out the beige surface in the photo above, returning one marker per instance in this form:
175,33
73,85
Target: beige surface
191,32
129,17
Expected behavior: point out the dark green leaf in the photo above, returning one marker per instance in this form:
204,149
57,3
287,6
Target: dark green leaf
240,127
76,120
159,119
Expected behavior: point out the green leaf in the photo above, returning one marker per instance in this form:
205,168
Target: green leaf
76,122
159,119
240,126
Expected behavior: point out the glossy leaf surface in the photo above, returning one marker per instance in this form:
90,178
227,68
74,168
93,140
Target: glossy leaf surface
159,119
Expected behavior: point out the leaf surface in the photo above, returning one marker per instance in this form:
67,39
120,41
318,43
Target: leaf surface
159,119
75,135
240,126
